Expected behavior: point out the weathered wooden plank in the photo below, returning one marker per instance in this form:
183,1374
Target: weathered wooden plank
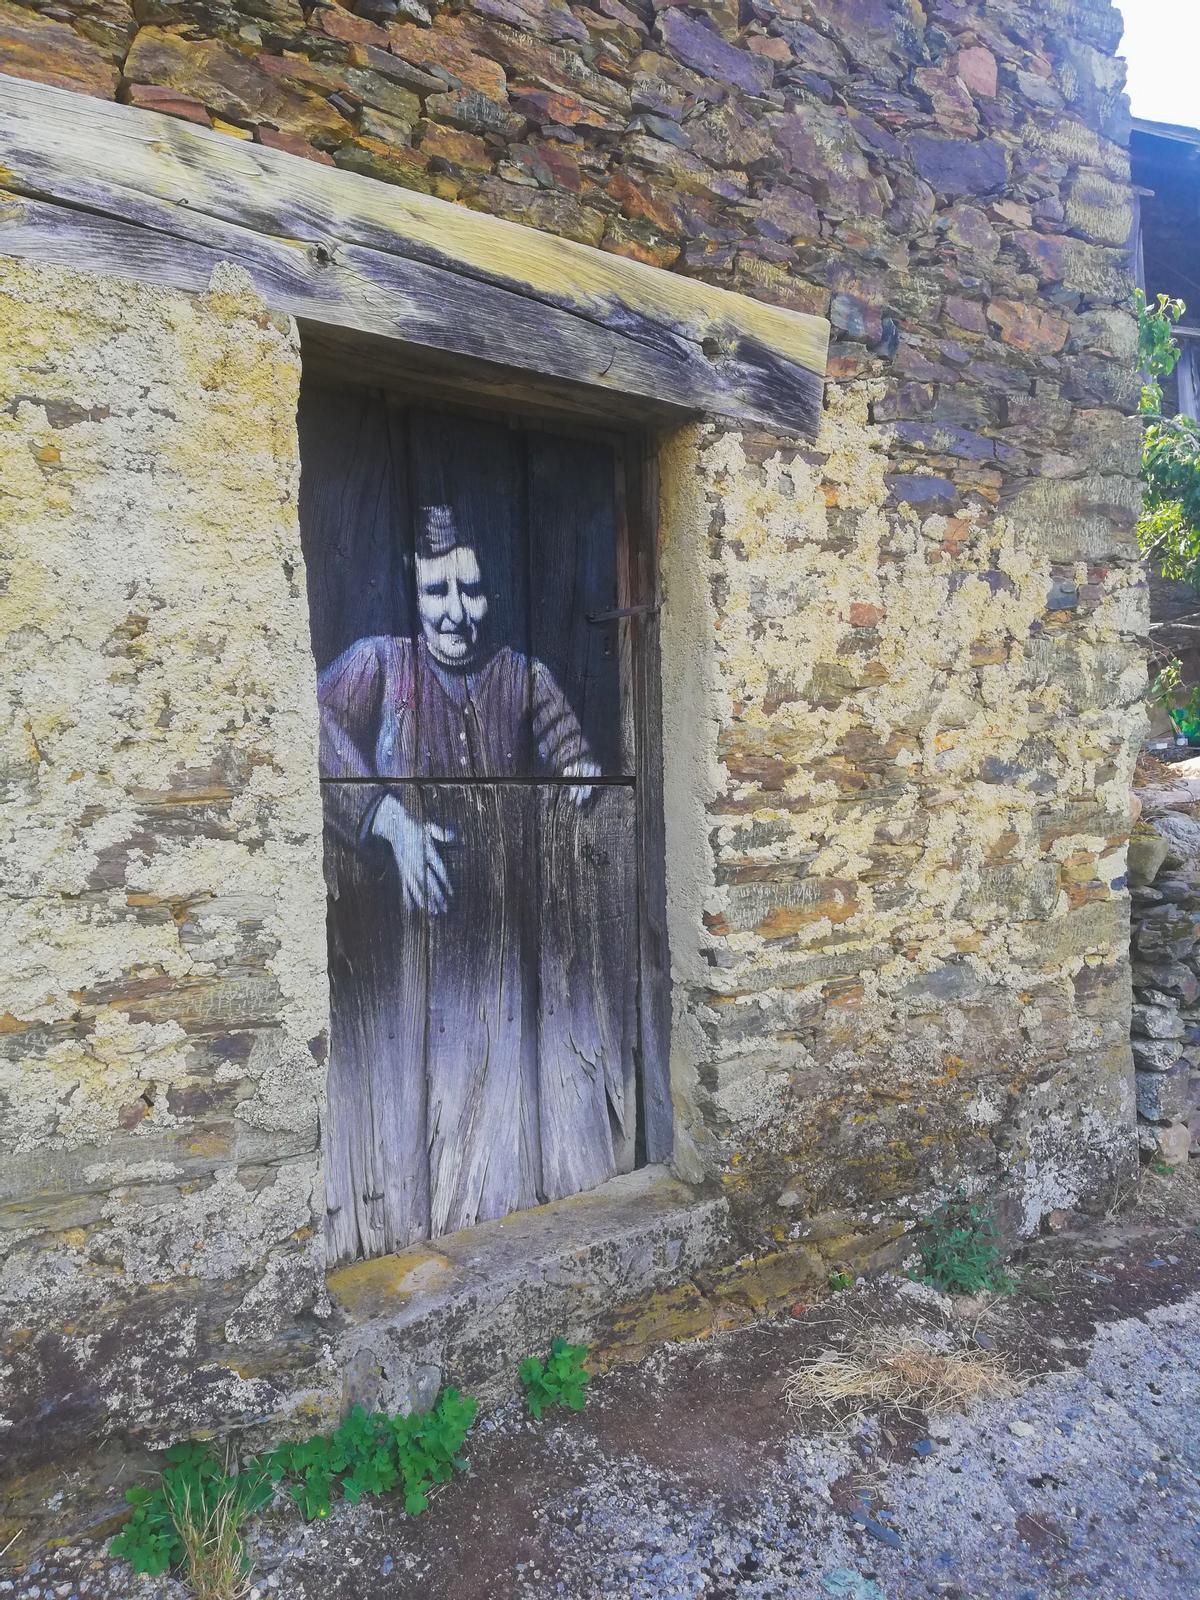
376,1156
366,291
354,517
370,256
481,1041
587,986
573,577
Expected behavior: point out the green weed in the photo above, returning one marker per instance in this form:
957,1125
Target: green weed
197,1503
960,1250
560,1380
194,1491
839,1280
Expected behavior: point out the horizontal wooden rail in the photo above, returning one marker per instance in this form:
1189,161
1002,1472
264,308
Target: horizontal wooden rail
91,184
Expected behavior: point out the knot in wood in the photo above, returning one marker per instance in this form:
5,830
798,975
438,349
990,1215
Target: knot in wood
717,348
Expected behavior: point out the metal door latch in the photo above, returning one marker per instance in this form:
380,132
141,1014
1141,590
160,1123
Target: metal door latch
648,608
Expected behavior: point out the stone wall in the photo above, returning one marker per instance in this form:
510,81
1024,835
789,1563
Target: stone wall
902,827
1164,870
163,1004
902,665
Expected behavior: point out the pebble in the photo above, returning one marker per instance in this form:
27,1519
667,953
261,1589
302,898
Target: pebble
877,1530
1022,1430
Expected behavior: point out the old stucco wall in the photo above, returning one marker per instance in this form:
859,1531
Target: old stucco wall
897,808
162,998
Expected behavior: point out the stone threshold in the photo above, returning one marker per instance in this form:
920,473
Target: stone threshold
642,1261
466,1309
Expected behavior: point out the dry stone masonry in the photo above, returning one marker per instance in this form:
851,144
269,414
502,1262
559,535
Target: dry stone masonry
1164,869
903,665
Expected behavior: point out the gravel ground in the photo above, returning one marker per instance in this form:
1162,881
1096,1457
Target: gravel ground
688,1476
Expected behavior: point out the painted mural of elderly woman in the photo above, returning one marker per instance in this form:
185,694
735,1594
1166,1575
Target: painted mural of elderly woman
431,885
439,706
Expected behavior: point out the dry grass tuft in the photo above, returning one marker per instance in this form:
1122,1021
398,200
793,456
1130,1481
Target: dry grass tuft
212,1544
901,1372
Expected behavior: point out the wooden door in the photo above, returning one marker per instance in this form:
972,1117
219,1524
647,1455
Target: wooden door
490,951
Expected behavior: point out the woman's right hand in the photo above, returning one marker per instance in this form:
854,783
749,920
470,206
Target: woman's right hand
417,847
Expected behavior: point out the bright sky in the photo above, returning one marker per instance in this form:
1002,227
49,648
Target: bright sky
1162,46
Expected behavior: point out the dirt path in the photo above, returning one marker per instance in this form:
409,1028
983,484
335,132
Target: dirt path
689,1476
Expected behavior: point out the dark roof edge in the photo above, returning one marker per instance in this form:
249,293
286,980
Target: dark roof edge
1176,132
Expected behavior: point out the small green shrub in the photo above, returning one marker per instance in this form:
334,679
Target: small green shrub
369,1453
560,1380
960,1250
195,1490
839,1280
372,1453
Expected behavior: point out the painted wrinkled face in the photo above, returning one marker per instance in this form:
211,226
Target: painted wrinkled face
452,604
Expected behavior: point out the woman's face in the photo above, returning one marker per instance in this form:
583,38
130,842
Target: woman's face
451,604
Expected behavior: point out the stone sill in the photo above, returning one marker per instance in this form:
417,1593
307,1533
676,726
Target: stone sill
468,1308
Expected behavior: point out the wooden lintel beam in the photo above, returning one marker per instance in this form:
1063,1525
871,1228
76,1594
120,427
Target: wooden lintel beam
92,184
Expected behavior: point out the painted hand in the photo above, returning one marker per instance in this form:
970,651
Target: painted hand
581,793
417,847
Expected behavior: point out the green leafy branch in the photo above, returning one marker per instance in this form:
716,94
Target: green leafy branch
560,1380
1168,529
960,1250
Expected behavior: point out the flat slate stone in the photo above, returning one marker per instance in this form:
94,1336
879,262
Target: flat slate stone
959,166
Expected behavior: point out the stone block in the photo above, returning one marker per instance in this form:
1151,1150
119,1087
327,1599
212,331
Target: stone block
968,228
1181,830
786,214
239,88
397,164
1028,327
700,47
1098,208
1171,978
1147,852
959,166
453,145
948,97
1170,1142
1166,927
1075,519
449,51
384,94
1157,1022
1102,272
976,66
1022,893
925,494
1156,1055
292,143
475,112
49,50
379,125
150,97
1164,1096
556,106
